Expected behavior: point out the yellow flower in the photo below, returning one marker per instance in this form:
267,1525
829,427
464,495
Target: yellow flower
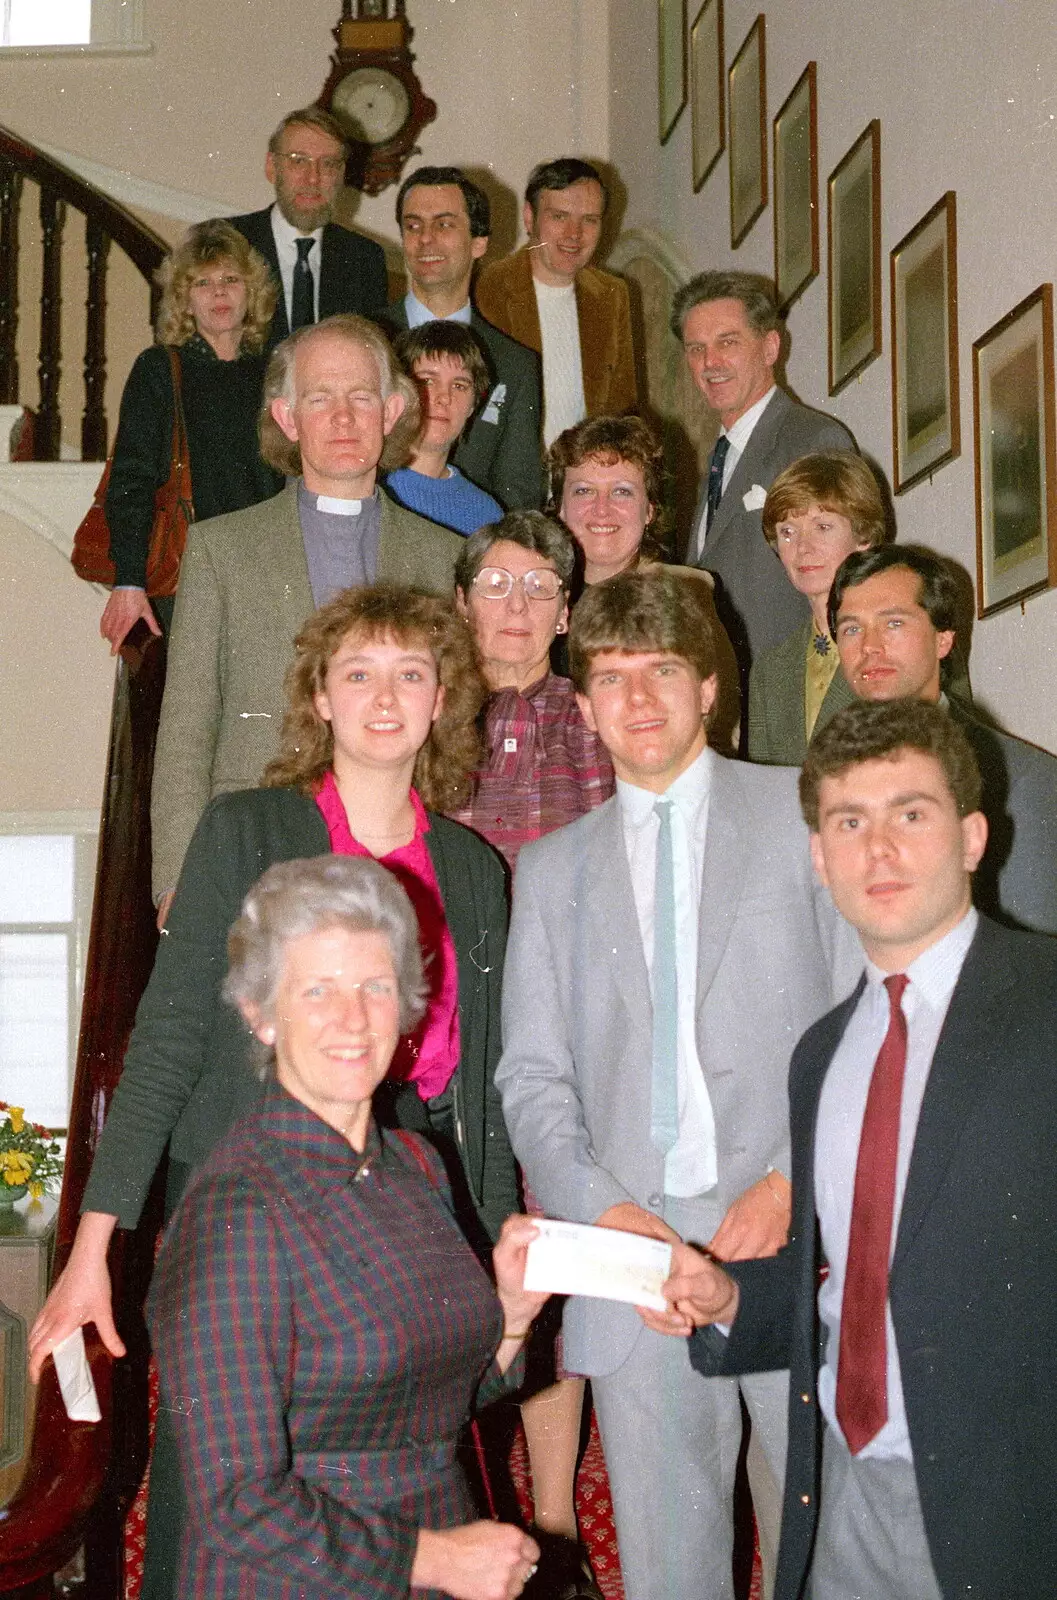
16,1167
36,1190
17,1114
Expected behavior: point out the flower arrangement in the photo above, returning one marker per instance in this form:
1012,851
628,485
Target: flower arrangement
30,1158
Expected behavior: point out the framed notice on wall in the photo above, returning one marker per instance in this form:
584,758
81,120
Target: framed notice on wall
707,89
671,64
854,236
796,190
925,409
747,84
1016,459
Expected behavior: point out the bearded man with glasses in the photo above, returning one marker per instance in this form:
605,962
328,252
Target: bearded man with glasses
322,268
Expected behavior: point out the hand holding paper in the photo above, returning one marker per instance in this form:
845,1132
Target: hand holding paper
75,1379
573,1258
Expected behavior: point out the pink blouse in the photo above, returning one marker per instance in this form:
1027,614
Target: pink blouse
428,1056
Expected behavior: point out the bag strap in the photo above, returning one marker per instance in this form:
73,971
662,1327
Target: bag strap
179,459
411,1144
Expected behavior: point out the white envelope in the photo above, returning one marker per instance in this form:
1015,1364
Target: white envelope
574,1258
75,1380
753,500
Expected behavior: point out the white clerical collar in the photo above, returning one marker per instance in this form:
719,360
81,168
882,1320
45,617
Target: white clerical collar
335,506
740,432
286,234
417,313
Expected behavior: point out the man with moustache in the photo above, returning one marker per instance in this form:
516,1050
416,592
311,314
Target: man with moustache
445,220
323,269
893,613
548,296
335,399
923,1113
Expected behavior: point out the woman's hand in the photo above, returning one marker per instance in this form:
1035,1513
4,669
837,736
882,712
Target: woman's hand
479,1561
80,1294
520,1306
121,613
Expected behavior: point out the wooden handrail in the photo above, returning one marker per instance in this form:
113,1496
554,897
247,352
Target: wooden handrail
81,1477
105,221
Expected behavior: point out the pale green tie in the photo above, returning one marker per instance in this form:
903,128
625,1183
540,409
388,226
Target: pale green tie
664,1113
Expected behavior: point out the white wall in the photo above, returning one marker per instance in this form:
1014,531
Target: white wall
966,94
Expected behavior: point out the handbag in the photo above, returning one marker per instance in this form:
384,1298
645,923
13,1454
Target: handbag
173,512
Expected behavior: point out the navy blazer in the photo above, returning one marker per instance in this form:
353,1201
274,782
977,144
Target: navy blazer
973,1284
352,276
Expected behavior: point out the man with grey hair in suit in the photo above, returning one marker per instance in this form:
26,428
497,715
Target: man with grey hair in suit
665,954
336,409
729,327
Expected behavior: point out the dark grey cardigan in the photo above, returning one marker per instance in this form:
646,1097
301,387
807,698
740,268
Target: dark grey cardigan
186,1077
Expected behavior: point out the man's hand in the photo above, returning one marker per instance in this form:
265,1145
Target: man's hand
121,613
757,1224
630,1218
698,1290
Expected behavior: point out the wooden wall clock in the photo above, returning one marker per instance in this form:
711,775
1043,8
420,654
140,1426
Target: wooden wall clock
374,93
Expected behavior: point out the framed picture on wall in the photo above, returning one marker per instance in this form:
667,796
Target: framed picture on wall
747,98
1016,458
708,114
926,428
671,64
796,190
854,248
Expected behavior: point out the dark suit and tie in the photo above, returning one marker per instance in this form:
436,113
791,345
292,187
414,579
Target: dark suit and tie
351,273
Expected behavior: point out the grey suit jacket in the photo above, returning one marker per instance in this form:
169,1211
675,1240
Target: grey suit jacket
777,693
757,604
243,597
577,1017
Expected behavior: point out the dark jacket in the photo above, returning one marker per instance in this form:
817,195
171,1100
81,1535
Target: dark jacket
502,450
973,1284
353,275
221,402
186,1078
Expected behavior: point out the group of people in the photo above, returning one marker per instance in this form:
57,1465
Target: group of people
797,1024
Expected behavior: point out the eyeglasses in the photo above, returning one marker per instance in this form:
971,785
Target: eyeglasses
329,166
495,583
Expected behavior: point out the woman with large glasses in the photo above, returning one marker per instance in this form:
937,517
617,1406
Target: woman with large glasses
543,768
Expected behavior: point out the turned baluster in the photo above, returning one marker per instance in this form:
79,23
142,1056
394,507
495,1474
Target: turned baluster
10,201
93,424
48,430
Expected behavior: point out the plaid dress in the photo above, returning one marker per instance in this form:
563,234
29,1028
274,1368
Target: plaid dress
321,1331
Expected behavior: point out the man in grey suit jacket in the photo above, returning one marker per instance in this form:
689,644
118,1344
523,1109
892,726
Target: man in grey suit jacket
335,402
893,613
695,1144
729,328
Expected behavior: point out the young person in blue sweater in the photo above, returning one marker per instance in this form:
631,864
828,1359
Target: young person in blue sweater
450,370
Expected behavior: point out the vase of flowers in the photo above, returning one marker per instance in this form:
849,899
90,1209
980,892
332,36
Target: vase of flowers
30,1158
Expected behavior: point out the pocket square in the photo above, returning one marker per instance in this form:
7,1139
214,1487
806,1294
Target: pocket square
754,499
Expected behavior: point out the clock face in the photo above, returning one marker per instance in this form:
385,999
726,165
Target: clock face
372,103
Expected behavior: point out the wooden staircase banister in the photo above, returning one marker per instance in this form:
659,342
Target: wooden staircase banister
81,1477
144,248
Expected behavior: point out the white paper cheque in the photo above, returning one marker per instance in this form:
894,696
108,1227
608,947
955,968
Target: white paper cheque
574,1258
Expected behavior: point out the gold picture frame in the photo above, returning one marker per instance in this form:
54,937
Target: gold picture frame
853,234
747,111
796,241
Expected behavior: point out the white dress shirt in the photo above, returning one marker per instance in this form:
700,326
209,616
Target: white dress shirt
286,237
842,1106
739,433
417,313
690,1165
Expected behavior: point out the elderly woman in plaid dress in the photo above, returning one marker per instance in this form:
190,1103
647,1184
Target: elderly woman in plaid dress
321,1327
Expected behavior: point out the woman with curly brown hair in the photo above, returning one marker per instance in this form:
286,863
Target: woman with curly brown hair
217,300
380,730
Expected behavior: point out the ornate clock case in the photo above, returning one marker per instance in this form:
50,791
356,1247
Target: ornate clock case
374,93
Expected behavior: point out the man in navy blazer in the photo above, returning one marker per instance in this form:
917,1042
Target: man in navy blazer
922,1451
343,271
445,220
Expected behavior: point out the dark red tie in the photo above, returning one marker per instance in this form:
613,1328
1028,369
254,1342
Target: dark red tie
862,1370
